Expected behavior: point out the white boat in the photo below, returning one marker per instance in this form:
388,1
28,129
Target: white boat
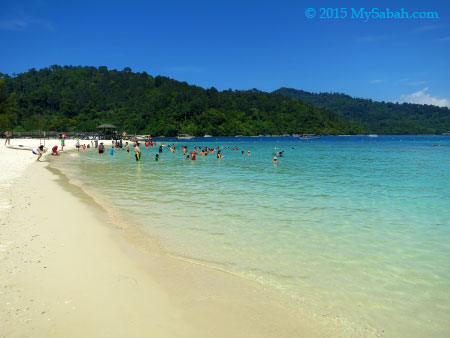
309,137
207,136
372,135
20,147
184,137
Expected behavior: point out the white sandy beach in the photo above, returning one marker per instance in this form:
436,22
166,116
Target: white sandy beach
68,270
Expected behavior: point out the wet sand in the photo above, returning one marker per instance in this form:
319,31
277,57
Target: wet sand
69,269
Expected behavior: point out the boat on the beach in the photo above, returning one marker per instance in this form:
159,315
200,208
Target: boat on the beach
184,137
22,147
309,137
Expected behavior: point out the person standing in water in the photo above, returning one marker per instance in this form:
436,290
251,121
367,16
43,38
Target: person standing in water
127,146
137,152
101,148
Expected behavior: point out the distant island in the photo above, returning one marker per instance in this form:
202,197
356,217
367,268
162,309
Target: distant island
378,117
76,98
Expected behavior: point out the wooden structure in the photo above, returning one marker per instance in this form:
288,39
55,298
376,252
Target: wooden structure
108,131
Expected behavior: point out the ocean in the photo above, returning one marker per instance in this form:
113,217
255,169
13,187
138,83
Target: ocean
353,227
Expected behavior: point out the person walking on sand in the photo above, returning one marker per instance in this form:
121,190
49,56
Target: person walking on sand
62,141
38,151
7,137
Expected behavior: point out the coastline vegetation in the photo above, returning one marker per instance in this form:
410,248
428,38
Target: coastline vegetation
75,98
379,117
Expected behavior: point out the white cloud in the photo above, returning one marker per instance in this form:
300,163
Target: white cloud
421,97
417,83
24,24
427,28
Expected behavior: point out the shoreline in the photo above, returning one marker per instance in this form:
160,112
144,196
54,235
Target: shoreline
71,271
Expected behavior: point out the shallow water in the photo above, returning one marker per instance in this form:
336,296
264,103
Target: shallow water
356,228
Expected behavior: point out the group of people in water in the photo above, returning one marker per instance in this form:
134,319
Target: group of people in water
117,145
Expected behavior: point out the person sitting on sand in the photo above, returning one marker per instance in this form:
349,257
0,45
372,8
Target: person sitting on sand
38,151
275,160
55,150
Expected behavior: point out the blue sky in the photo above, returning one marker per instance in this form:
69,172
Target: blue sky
240,44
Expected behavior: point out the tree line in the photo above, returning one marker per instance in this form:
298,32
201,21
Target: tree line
76,98
379,117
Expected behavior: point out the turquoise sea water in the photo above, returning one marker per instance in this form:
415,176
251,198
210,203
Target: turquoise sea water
353,227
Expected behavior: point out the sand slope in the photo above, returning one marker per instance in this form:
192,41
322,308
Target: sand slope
67,270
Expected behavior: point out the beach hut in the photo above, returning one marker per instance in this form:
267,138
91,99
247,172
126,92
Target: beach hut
108,131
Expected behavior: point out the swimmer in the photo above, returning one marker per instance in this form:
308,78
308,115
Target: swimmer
157,159
127,146
249,153
219,154
275,160
111,151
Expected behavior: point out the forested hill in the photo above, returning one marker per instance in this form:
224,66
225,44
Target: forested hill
379,117
67,98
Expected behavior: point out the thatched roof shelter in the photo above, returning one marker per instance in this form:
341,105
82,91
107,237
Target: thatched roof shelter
106,126
108,131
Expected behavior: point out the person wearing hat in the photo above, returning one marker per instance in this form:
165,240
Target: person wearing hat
275,160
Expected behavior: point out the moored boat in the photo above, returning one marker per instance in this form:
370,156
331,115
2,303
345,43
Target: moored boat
309,137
